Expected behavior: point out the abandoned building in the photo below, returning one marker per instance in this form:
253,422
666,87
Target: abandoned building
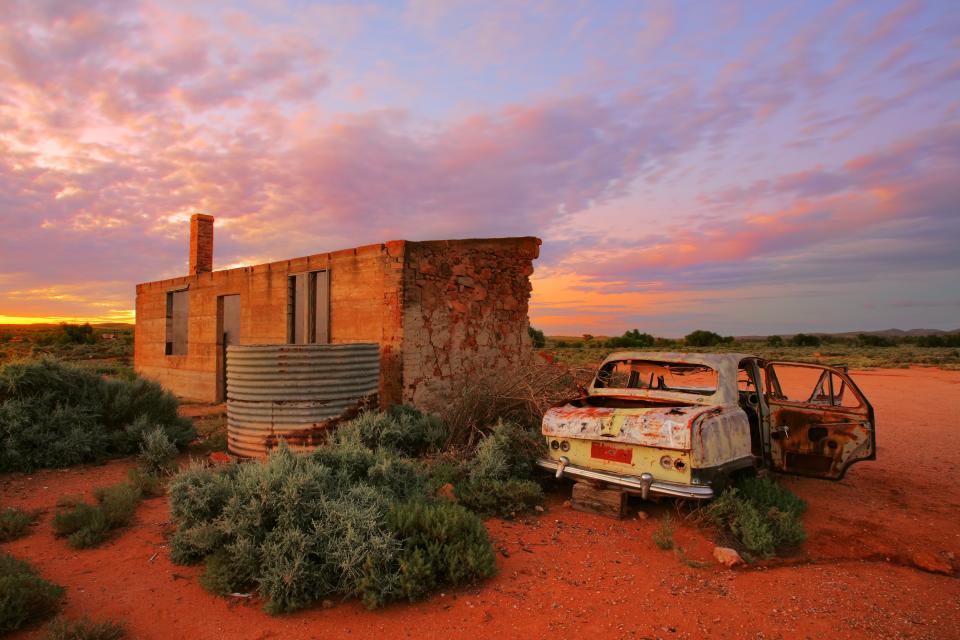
441,311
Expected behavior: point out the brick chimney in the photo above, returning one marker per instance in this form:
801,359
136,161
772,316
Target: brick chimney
201,243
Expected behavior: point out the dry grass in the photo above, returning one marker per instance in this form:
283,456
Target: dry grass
520,395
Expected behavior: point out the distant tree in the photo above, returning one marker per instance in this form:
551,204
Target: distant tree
77,333
947,340
630,340
587,337
774,341
536,336
701,338
867,340
804,340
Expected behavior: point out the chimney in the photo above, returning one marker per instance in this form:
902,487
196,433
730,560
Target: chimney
201,243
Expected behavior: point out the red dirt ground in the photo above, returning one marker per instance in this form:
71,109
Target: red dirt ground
565,572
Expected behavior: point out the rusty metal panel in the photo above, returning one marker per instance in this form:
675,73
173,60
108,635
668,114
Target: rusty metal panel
295,392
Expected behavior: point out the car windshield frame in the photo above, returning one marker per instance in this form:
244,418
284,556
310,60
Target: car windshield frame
653,384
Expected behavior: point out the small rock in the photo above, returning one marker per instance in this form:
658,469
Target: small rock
327,604
566,503
642,515
446,492
727,557
932,562
538,509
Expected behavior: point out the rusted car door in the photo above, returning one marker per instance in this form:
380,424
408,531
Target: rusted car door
819,421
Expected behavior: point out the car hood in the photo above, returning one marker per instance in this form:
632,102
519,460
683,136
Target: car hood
664,427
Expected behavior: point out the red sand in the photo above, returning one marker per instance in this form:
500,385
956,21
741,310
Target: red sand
563,571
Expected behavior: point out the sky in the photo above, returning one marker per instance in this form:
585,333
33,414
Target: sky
741,167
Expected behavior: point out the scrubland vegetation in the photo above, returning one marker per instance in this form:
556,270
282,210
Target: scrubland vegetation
761,515
54,414
355,518
25,597
860,351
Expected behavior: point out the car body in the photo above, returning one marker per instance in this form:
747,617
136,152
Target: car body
683,424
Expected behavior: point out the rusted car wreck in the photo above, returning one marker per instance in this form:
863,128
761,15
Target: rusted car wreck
684,424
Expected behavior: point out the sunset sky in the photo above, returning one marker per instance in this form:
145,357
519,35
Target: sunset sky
742,167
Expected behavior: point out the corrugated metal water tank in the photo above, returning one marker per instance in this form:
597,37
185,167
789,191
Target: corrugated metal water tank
292,391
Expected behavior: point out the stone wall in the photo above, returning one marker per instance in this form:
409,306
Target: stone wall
464,314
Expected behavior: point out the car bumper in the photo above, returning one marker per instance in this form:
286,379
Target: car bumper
643,485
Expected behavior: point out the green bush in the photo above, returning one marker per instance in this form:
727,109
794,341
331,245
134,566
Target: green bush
15,522
508,451
83,629
401,429
498,480
299,528
87,525
701,338
537,339
56,415
158,456
491,497
762,515
441,543
24,595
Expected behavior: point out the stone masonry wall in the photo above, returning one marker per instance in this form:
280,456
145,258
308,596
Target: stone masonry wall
464,314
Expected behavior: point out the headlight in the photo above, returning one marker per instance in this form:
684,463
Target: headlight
666,462
564,446
554,445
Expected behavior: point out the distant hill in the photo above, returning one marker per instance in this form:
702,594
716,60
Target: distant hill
886,333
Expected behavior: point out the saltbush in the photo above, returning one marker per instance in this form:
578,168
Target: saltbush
492,497
300,528
401,429
55,415
83,629
499,474
14,523
24,596
87,525
158,455
762,515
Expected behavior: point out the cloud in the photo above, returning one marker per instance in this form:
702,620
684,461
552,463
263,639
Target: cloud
119,119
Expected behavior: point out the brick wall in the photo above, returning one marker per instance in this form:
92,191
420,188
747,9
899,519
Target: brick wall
364,307
465,312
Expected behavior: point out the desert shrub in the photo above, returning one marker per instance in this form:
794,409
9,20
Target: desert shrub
55,415
663,535
509,451
490,497
498,480
443,470
441,543
87,525
158,455
82,629
24,595
15,522
401,429
299,528
762,515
